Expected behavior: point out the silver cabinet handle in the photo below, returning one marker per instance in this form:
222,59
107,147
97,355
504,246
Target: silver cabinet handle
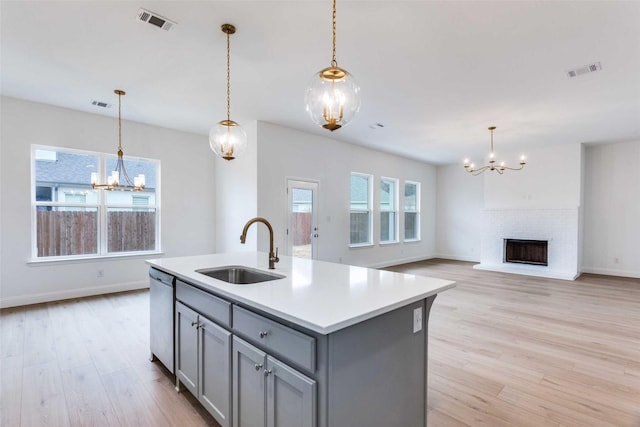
258,366
194,323
267,372
264,334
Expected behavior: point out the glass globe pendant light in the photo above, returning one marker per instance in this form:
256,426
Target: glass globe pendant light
332,97
227,138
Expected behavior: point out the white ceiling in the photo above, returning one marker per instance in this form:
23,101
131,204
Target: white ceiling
436,74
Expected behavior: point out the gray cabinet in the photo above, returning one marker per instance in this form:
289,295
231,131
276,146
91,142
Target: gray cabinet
203,361
268,392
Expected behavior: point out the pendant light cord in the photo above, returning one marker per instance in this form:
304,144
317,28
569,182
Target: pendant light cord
228,81
119,122
334,63
491,140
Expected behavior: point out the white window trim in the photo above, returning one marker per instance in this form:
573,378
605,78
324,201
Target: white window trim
416,211
102,208
394,209
369,210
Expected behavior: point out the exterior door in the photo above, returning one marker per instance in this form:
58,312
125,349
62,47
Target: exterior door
302,218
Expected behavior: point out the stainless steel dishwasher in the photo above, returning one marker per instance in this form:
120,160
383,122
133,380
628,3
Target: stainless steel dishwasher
161,306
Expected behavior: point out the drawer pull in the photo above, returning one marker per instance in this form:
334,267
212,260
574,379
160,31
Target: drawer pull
258,366
264,334
267,372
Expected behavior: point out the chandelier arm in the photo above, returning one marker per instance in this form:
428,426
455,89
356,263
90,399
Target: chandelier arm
475,172
512,169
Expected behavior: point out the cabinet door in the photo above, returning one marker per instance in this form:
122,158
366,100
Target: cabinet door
291,396
215,371
249,385
187,347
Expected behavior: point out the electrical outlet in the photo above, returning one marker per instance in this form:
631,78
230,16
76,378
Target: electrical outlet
100,273
417,320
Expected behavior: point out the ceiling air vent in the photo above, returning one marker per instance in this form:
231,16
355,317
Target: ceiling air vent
152,18
101,104
590,68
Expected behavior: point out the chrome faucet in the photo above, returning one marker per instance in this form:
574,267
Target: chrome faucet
273,258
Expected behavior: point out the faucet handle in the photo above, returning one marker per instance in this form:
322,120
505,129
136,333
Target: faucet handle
276,258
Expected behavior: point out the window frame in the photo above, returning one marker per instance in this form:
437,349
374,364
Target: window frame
102,207
394,209
416,211
368,210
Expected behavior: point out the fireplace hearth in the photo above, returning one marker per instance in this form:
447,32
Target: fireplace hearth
520,251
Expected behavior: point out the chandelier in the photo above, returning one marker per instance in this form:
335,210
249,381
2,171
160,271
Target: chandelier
119,179
332,97
471,168
227,138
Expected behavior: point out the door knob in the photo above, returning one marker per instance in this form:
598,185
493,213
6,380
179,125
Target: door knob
258,366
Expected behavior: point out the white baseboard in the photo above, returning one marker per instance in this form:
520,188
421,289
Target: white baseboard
399,261
71,293
455,257
612,272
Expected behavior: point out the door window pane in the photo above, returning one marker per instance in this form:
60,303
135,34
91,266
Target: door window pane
301,221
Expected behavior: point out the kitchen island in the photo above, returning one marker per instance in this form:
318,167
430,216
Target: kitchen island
326,345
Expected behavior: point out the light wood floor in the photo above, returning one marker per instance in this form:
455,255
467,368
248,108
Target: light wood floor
510,350
505,350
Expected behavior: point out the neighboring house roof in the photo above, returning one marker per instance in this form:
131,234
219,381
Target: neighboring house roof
75,169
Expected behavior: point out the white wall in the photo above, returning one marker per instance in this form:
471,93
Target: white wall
283,152
550,180
187,211
612,209
237,196
459,204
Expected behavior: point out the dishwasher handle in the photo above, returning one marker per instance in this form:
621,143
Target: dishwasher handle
161,277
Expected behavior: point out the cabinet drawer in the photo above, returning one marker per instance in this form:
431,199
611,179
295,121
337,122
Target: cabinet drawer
275,337
209,305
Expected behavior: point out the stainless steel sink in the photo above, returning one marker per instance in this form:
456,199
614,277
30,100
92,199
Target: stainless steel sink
239,275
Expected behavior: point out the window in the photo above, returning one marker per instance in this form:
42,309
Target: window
411,211
360,209
70,219
388,210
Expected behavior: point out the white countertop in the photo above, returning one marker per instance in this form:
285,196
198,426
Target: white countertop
320,296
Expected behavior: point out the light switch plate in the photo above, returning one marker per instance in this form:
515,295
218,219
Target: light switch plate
417,320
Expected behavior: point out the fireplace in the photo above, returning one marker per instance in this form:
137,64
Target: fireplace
521,251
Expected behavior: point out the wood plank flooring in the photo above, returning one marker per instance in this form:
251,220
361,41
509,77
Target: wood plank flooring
85,362
510,350
505,350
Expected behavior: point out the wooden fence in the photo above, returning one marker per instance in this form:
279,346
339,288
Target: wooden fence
62,233
301,224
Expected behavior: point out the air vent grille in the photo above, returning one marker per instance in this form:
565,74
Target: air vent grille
586,69
154,19
101,104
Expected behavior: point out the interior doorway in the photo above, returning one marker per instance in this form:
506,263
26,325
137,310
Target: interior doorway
302,213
